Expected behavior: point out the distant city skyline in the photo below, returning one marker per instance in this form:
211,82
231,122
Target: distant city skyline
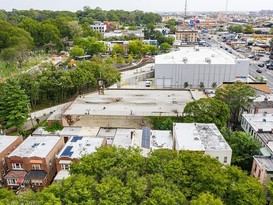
144,5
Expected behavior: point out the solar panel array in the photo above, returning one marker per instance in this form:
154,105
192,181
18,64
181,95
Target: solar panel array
67,151
146,141
76,138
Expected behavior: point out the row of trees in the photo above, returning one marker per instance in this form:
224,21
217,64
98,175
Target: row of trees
50,86
123,176
247,29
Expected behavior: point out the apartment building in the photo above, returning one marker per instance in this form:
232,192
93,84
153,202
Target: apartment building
202,137
32,164
186,35
74,149
7,145
100,27
262,168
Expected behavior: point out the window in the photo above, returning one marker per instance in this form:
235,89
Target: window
255,167
225,159
17,166
65,166
36,166
12,181
217,158
37,182
259,174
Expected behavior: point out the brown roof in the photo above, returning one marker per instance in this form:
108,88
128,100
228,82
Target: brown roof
16,174
263,87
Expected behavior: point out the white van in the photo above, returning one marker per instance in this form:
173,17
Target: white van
147,83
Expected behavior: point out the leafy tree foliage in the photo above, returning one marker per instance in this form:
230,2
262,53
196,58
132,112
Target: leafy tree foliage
165,47
236,96
14,105
123,176
236,29
206,198
76,51
243,146
208,110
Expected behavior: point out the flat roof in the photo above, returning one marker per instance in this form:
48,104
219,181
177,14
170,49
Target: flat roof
131,103
77,147
79,131
216,55
155,139
199,137
33,146
123,138
6,141
260,121
41,131
266,162
62,174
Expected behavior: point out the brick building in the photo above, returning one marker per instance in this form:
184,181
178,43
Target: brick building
32,164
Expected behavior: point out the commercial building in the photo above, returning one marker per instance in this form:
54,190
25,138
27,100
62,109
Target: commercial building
74,149
125,108
186,35
198,65
7,145
202,137
32,163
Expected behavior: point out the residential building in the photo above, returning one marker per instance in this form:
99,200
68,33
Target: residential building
150,140
146,139
262,168
262,104
202,137
257,123
100,27
198,65
74,149
189,36
7,145
32,163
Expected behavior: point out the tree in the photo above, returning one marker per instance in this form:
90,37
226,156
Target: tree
76,51
243,146
271,30
202,85
206,198
118,49
208,110
165,47
135,47
248,29
236,96
14,106
236,29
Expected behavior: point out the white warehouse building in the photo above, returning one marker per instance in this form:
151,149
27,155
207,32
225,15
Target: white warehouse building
196,65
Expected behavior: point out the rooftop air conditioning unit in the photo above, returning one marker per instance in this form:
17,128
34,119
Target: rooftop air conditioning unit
208,60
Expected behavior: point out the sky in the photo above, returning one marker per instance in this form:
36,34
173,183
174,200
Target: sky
144,5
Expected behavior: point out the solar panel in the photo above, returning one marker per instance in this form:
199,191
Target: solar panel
76,138
67,152
145,143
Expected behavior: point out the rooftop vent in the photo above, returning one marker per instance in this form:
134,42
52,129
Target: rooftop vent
208,60
264,120
185,59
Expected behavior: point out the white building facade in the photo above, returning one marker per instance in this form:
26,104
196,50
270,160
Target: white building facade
202,137
198,65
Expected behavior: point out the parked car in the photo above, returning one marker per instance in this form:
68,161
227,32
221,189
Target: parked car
259,71
261,65
269,66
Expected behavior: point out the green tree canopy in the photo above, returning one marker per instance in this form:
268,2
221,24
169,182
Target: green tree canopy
208,110
236,96
76,51
243,146
165,47
14,105
166,177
